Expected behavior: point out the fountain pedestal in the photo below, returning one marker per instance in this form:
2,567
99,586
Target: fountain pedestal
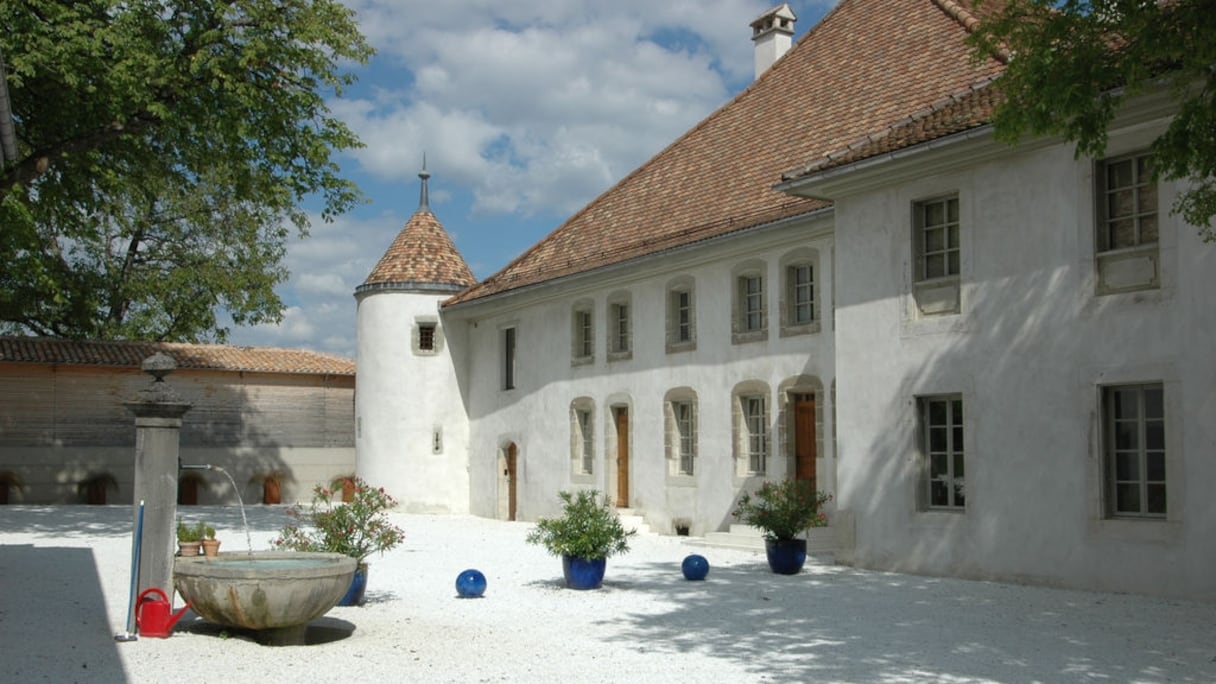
158,420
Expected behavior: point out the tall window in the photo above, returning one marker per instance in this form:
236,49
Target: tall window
755,412
751,289
620,328
942,430
508,358
1128,203
682,310
685,426
583,440
582,334
1134,425
681,316
801,298
937,238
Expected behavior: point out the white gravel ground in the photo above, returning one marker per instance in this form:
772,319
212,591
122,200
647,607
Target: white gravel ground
64,593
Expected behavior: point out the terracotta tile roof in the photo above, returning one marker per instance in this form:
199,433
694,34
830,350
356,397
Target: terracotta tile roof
45,350
863,68
971,108
422,256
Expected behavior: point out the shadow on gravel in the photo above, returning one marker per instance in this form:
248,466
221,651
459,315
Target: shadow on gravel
832,623
40,581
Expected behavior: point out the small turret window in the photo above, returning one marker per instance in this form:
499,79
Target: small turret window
427,336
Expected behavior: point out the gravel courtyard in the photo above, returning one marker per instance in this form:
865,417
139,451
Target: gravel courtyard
65,577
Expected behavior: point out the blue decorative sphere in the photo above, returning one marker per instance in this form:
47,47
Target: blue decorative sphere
695,567
470,584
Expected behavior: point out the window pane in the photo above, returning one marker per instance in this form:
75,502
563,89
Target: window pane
935,214
1126,404
959,498
1120,204
939,494
937,439
935,266
956,413
1119,174
1148,229
958,465
1146,197
952,236
952,263
1154,435
1127,498
1126,435
1154,406
937,466
1127,466
935,240
1122,233
1155,461
952,213
1156,499
937,413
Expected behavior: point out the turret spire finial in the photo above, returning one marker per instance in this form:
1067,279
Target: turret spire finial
424,203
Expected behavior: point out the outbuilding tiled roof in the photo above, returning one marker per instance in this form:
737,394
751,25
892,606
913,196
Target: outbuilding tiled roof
45,350
422,256
867,66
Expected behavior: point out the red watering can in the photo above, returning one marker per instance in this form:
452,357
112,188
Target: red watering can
154,616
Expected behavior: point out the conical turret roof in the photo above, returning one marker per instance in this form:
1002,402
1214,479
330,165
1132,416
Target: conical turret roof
422,257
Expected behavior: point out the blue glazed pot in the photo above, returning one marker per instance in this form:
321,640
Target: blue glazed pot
583,573
358,585
785,556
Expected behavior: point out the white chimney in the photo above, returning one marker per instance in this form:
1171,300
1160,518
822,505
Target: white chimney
772,32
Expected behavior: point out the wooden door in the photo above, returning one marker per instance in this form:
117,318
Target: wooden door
512,453
622,457
804,438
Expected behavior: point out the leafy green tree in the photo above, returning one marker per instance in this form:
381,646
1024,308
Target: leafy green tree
1073,62
163,150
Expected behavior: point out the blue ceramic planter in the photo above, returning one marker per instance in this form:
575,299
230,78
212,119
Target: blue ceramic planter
785,556
583,573
358,585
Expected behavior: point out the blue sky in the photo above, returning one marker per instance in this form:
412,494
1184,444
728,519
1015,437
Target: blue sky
526,111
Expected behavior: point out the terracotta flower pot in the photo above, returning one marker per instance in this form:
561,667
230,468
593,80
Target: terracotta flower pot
211,547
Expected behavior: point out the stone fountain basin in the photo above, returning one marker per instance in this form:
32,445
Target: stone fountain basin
265,590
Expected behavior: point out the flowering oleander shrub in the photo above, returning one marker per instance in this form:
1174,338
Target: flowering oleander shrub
357,528
588,528
783,509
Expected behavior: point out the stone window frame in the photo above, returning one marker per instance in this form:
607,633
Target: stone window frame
417,337
619,326
1148,443
804,257
582,333
742,314
686,286
680,445
946,438
747,446
1134,267
582,439
937,293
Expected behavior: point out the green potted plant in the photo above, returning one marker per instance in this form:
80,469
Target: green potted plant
189,537
584,536
211,545
357,528
782,511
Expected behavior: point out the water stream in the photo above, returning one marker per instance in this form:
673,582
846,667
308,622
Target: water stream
239,500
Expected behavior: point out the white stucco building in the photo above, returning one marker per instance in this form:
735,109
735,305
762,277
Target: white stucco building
996,358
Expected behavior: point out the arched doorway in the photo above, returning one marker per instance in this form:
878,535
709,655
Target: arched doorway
508,502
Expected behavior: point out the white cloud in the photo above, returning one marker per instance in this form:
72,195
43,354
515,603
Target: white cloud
539,106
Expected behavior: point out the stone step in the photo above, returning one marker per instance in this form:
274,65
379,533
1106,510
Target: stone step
632,520
821,541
